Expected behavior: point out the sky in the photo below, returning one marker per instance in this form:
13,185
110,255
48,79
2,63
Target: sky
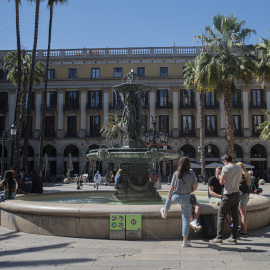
126,23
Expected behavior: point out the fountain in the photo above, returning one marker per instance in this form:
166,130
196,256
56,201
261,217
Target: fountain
134,183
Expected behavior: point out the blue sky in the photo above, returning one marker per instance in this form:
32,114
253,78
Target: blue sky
126,23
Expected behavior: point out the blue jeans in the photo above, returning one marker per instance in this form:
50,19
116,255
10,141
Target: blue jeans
5,197
184,201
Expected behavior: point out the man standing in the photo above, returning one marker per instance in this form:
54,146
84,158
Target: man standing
36,183
231,176
97,179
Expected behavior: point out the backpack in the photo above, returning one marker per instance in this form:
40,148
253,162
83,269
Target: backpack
208,226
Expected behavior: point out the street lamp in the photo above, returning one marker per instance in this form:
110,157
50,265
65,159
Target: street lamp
13,132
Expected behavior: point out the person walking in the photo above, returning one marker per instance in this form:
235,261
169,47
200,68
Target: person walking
244,198
10,186
184,181
118,174
231,176
97,179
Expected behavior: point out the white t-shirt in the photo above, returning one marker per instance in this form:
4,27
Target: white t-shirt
233,174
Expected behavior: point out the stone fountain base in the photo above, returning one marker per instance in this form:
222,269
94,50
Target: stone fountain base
134,184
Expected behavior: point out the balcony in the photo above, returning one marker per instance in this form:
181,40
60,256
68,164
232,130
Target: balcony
113,106
211,133
237,106
190,133
4,108
51,108
187,106
238,133
71,134
167,105
261,105
71,107
50,134
212,107
93,106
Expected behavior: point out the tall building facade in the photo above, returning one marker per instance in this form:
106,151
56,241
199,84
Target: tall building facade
80,98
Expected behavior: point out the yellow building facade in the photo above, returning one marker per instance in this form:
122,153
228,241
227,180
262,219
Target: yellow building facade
80,98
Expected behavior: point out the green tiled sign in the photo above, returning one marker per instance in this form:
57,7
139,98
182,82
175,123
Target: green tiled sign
117,222
133,222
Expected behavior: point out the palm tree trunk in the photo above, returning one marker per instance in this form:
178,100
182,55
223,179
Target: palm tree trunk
202,130
30,91
228,118
42,127
15,149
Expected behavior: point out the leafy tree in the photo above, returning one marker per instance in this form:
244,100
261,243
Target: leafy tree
114,129
226,60
50,4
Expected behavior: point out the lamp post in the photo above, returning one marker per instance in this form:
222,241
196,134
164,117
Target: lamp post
13,131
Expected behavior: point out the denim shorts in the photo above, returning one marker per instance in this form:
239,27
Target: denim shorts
244,198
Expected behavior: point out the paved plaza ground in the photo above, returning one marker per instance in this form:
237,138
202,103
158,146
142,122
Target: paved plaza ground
28,251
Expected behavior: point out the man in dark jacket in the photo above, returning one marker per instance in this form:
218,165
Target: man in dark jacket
36,183
25,185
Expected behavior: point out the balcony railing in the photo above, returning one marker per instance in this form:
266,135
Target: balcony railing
71,134
167,105
50,134
187,105
261,105
212,107
191,133
237,106
238,133
94,106
51,108
113,106
211,134
68,107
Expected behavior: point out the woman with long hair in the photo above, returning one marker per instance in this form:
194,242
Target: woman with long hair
10,185
244,198
184,181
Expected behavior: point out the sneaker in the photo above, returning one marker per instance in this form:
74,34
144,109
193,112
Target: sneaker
243,233
231,240
195,226
231,226
186,244
216,241
163,215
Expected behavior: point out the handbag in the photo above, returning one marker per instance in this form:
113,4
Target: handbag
193,199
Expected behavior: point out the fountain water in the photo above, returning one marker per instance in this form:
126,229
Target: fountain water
134,183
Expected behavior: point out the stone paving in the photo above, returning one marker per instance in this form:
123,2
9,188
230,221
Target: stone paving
28,251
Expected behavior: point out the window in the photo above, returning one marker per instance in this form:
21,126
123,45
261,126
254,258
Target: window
187,98
32,106
237,124
72,100
117,73
72,126
31,127
95,99
3,101
73,73
183,70
256,97
95,73
187,124
211,125
51,74
210,99
52,100
144,123
256,121
95,126
2,125
3,74
118,101
141,71
49,126
236,98
162,98
163,71
144,99
164,123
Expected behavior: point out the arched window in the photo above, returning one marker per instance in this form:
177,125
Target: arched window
49,150
188,151
258,151
73,150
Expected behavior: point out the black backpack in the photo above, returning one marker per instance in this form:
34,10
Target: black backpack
208,226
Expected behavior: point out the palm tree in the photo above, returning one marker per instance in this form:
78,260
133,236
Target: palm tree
16,150
265,128
11,66
114,129
196,82
50,4
227,60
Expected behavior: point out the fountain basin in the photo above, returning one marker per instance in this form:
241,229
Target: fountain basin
92,221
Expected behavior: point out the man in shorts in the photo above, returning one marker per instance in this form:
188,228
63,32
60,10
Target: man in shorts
231,176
